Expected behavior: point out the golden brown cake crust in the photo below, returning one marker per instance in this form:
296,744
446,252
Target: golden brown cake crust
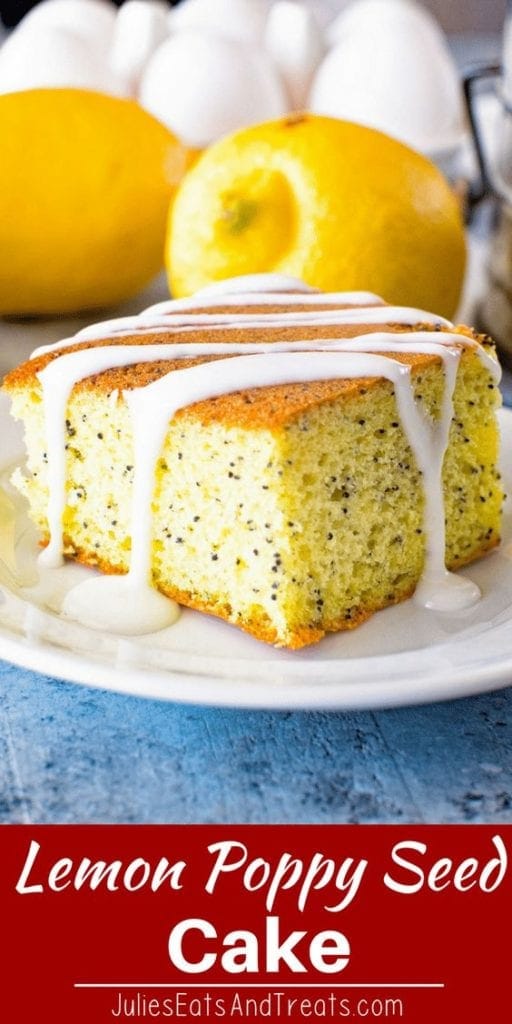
251,408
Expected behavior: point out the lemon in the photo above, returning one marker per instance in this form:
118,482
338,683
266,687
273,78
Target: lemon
342,206
85,185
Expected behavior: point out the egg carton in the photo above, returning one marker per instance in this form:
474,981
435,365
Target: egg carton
208,67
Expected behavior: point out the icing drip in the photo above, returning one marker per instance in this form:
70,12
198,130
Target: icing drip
129,604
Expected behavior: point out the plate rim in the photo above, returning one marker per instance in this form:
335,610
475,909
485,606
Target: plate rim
155,684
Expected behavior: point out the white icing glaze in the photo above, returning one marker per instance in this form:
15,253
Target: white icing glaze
270,298
163,320
120,604
175,322
129,604
257,283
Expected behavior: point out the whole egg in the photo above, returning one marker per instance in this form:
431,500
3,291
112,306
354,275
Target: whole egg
390,68
203,85
92,20
49,57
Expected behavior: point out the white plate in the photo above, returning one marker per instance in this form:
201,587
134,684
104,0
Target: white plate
403,655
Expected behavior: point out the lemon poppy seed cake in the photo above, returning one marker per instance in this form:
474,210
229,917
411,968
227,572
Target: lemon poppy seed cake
289,460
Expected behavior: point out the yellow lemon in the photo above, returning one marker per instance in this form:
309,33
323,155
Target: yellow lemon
85,185
339,205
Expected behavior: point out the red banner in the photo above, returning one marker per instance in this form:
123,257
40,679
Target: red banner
106,923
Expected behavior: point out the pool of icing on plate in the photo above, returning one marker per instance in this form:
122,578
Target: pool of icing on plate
130,604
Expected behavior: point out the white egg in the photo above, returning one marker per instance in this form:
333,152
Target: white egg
51,58
141,26
92,20
294,40
391,69
238,19
203,85
347,13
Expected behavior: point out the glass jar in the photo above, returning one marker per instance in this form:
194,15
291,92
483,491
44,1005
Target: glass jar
494,313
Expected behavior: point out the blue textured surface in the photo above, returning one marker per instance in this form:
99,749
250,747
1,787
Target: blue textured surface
70,754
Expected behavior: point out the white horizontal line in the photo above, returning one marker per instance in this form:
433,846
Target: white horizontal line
326,985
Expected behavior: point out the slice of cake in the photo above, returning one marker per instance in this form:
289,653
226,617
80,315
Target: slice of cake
287,460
